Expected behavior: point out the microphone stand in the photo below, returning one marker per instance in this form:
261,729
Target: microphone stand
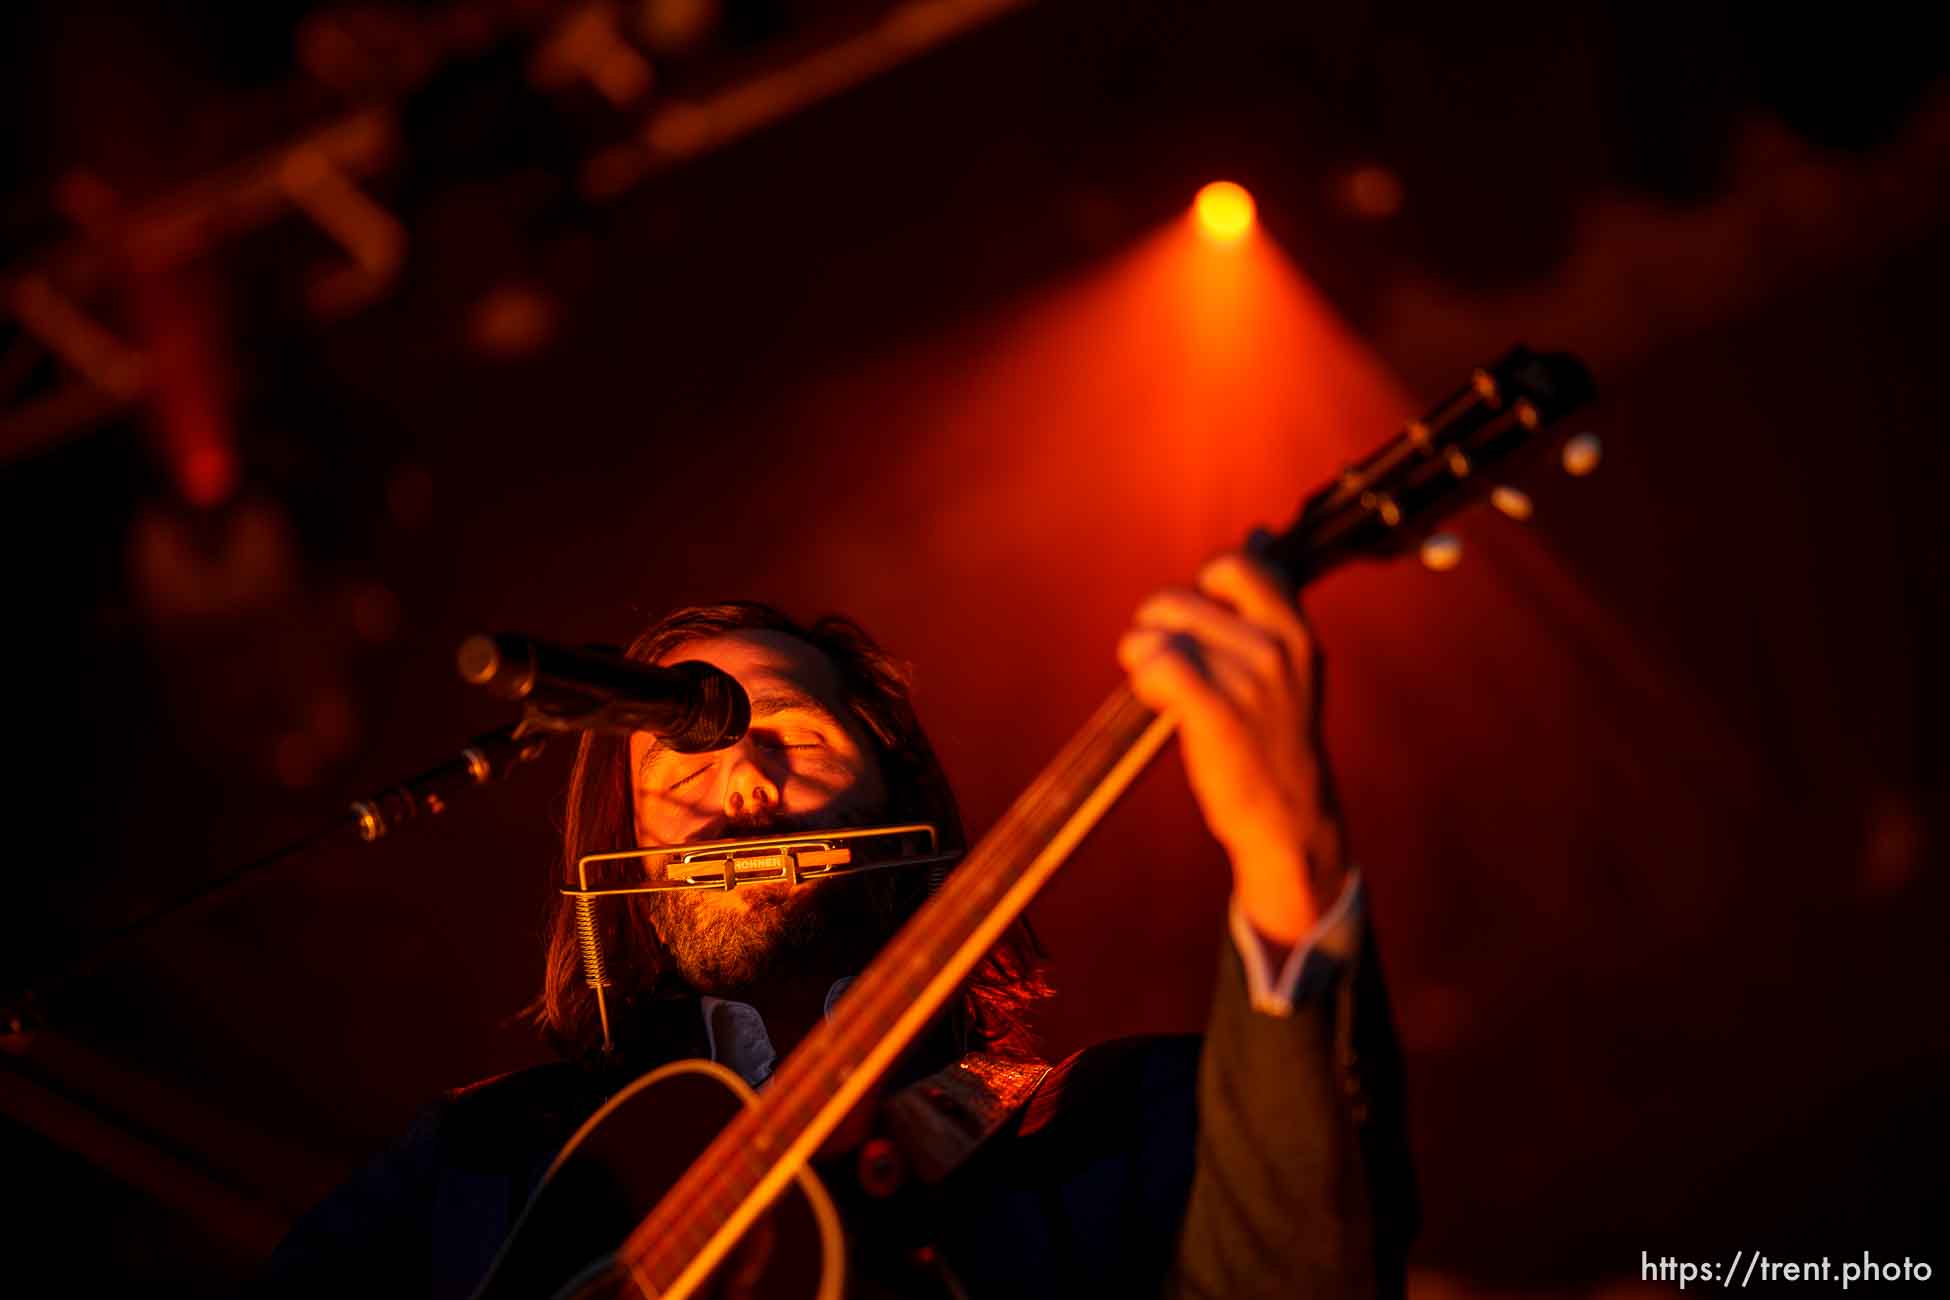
487,758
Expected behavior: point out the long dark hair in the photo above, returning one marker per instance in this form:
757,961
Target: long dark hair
992,1012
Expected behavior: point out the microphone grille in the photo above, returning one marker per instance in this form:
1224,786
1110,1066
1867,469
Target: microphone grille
723,714
478,659
504,665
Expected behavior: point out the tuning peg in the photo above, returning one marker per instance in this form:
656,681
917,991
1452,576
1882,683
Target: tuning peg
1513,502
1442,552
1582,454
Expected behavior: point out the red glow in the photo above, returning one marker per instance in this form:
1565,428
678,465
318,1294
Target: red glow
182,327
1372,192
207,473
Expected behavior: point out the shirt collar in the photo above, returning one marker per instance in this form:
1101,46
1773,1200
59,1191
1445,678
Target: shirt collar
735,1034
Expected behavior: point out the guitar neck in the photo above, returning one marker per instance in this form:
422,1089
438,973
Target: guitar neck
898,994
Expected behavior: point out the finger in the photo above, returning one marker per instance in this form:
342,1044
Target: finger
1260,595
1248,691
1245,689
1176,609
1166,674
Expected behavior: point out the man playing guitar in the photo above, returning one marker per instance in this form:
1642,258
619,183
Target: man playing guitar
1269,1162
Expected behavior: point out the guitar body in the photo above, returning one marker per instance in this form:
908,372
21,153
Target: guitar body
617,1167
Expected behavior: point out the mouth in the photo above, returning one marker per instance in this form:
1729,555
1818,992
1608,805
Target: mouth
774,865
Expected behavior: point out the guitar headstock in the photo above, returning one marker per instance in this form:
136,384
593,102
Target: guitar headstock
1392,500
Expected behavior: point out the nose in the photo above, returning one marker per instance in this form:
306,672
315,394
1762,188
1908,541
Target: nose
750,786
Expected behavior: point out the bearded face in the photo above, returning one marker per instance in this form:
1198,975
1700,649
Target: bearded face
725,943
804,765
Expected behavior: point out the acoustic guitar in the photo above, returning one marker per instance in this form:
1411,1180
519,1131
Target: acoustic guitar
628,1210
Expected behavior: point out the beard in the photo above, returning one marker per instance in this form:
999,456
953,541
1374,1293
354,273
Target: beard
725,943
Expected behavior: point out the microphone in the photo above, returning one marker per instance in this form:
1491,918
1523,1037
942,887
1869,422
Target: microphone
691,705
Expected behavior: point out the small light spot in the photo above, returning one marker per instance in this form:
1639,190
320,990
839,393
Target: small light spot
209,474
1442,552
512,320
1371,192
676,26
374,613
1513,502
1582,454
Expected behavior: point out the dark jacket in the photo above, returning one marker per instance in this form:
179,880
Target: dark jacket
1268,1159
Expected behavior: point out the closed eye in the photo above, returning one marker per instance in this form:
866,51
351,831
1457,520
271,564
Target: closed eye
769,743
684,781
787,737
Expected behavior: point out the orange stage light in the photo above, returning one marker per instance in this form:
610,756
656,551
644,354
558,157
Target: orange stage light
1224,211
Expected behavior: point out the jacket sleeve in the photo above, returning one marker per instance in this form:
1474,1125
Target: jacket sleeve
1303,1186
374,1229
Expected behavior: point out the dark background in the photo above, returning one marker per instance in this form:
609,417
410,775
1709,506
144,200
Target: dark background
1650,794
